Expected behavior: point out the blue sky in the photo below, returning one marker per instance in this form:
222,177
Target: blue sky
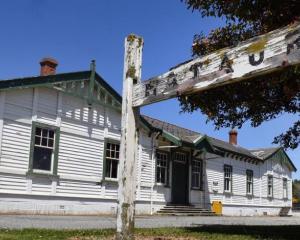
75,32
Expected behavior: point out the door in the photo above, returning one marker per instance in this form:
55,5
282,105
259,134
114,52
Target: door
180,178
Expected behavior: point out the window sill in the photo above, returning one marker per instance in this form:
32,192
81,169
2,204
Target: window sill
109,181
228,192
249,195
196,189
42,175
161,185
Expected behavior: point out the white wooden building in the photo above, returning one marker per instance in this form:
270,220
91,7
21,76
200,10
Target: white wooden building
59,149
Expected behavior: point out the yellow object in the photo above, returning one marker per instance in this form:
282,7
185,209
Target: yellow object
216,207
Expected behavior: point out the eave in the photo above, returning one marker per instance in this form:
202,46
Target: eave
239,155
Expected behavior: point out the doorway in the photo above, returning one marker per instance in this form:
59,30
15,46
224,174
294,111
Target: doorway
180,178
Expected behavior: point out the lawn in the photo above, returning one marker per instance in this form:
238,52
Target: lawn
205,233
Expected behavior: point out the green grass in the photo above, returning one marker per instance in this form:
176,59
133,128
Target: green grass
29,234
204,232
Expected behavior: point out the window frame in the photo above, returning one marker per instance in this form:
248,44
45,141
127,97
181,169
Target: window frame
272,186
104,178
200,187
249,171
54,160
167,168
230,178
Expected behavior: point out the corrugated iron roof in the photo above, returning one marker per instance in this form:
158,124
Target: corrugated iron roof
184,134
187,135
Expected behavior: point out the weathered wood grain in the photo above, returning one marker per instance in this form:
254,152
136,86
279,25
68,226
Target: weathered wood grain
129,139
270,52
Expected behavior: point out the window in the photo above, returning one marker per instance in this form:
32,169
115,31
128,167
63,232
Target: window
270,186
162,160
285,188
180,157
112,154
249,182
197,174
44,149
227,178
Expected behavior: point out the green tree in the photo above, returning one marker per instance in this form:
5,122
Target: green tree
296,190
263,98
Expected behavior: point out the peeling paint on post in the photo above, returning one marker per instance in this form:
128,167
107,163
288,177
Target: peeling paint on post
129,139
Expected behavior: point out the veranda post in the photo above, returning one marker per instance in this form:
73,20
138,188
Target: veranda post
129,139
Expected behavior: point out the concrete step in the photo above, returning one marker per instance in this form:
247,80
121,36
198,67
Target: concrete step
181,207
188,214
185,210
284,211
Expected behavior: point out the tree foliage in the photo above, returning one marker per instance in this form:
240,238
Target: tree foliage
256,100
296,190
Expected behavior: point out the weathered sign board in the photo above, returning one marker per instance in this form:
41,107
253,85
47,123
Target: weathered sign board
256,56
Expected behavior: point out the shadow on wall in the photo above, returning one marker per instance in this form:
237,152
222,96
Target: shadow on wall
255,232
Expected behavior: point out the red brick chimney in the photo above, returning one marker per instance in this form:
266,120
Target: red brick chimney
48,66
233,136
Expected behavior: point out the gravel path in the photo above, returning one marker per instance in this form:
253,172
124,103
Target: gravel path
92,222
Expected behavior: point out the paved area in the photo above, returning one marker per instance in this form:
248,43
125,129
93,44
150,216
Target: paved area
296,213
92,222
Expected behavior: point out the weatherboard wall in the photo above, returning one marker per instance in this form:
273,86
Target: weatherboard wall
237,202
151,196
80,188
82,133
80,160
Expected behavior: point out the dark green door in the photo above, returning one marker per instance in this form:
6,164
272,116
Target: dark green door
180,178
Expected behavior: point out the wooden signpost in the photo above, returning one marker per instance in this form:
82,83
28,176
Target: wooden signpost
257,56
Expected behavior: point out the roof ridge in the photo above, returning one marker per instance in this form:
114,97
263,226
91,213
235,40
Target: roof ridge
46,76
237,147
228,143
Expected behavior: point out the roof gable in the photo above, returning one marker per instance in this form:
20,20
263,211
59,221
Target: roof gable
281,156
85,84
264,153
277,154
204,143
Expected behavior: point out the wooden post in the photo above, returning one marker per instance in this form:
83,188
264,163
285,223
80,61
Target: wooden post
129,139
